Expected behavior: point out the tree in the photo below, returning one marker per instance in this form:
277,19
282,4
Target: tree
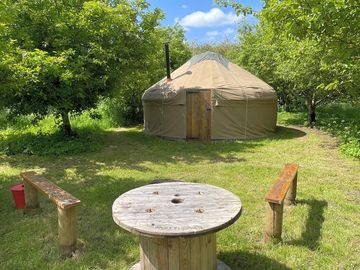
229,49
128,93
65,55
259,53
308,49
332,24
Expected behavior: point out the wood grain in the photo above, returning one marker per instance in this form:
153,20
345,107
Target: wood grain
168,254
273,222
205,115
176,209
282,184
65,203
31,196
67,230
59,196
198,115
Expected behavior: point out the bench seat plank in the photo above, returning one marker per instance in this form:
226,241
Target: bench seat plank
59,196
279,189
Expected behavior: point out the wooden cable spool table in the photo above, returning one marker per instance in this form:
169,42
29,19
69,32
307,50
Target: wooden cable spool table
177,223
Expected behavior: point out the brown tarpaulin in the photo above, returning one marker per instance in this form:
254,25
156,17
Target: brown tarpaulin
243,106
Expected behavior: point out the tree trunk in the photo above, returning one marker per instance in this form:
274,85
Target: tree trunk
66,124
287,104
311,104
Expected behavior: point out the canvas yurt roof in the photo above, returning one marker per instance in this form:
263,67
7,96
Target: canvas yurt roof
213,71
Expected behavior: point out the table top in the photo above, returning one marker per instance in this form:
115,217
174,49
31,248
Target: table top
176,209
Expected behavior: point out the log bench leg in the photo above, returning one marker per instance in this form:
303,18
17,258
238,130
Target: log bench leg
273,222
179,253
291,194
67,230
31,196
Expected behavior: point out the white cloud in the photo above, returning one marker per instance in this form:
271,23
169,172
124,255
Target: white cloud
184,6
214,17
213,33
210,39
229,31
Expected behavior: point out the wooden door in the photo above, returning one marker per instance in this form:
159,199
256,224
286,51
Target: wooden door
198,115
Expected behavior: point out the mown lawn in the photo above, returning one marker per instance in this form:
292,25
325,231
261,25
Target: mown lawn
321,232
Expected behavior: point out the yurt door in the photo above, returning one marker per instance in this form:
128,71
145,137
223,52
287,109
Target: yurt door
198,119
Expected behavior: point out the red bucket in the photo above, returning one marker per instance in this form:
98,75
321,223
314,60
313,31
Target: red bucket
18,195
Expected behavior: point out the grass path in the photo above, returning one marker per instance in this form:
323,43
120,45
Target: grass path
321,232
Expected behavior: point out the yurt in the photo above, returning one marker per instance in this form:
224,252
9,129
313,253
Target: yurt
210,98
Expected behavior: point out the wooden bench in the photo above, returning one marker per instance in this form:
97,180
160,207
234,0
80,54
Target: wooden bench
282,191
65,203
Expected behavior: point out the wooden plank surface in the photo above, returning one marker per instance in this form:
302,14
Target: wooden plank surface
171,254
59,196
280,187
185,253
192,115
174,253
176,209
205,115
198,115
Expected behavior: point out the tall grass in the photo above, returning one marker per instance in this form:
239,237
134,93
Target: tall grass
25,135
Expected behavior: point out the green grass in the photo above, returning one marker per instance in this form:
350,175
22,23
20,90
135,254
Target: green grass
320,232
341,120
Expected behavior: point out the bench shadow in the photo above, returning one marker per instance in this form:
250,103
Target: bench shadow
311,235
243,260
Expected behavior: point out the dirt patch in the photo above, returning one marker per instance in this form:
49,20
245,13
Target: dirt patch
328,141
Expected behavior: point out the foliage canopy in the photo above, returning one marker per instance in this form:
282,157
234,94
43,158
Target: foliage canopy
307,50
62,56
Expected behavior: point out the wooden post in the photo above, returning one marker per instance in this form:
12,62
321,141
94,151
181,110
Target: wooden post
31,196
291,194
273,223
67,230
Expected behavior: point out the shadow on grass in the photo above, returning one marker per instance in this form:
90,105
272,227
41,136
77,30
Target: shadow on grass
287,133
131,149
101,237
86,177
242,260
311,235
101,241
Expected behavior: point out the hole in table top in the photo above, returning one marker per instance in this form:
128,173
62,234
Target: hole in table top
199,210
177,195
177,200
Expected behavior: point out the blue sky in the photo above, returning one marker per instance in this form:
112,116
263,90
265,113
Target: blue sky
204,21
